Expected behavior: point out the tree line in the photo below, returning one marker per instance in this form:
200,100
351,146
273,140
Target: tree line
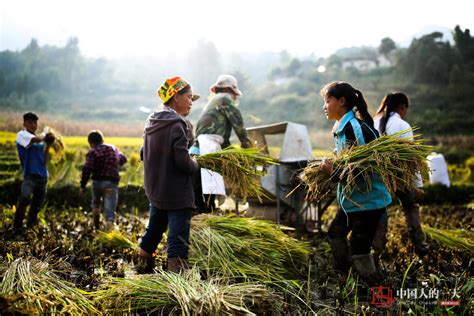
438,76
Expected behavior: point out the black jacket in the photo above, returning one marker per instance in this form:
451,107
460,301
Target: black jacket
167,164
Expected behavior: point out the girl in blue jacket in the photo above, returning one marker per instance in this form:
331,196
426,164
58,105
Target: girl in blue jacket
360,208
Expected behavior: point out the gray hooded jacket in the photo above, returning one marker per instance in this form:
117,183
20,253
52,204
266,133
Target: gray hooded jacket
167,164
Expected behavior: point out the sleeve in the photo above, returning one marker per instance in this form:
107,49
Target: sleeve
122,158
182,158
87,169
24,138
235,118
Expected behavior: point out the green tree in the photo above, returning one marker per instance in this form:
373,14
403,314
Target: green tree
386,46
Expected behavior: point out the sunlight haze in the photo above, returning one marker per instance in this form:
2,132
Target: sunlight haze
160,28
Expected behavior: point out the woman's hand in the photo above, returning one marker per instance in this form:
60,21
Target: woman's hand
326,166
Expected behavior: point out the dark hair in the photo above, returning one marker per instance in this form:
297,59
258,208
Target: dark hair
30,116
225,90
390,103
354,99
180,92
95,137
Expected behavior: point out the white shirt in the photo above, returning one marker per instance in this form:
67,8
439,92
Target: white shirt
396,124
24,138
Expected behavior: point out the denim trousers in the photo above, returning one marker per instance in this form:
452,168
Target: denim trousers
108,191
363,225
179,224
33,189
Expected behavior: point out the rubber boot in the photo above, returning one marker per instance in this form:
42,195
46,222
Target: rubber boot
146,262
412,216
340,254
177,264
96,215
364,266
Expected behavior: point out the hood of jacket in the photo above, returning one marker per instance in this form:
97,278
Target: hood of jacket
161,119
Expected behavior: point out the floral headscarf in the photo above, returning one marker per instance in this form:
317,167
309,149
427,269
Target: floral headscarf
171,87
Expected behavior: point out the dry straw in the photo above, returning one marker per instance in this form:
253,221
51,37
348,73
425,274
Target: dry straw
30,286
185,294
394,158
233,246
240,167
55,139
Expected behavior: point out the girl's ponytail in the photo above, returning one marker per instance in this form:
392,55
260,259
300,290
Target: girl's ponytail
362,108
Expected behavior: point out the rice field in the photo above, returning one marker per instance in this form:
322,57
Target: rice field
239,265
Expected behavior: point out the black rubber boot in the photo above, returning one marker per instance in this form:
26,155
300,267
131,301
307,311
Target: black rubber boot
412,216
364,266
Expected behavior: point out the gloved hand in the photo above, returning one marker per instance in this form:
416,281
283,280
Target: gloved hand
194,151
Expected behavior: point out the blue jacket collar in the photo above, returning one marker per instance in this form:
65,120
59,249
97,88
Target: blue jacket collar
344,120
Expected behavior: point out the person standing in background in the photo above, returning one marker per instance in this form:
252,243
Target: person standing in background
33,152
213,130
389,120
103,162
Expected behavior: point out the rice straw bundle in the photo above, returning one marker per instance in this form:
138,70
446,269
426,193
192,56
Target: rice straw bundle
115,239
185,294
395,159
55,139
31,286
240,167
243,247
451,238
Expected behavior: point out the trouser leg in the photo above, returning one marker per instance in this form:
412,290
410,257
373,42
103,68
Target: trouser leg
157,226
39,195
23,202
412,216
110,202
337,233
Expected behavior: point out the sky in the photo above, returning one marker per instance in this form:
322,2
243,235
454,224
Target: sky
160,28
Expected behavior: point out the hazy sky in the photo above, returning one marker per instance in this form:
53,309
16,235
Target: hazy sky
155,27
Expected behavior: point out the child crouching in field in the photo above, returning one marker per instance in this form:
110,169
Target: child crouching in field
103,162
360,208
33,152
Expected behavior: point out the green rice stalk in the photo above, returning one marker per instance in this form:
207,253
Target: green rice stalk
240,167
185,293
114,239
394,159
243,247
34,287
455,239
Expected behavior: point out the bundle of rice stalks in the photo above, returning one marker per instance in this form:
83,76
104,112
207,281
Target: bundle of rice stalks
240,167
31,286
452,238
55,139
186,294
114,239
396,160
242,247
